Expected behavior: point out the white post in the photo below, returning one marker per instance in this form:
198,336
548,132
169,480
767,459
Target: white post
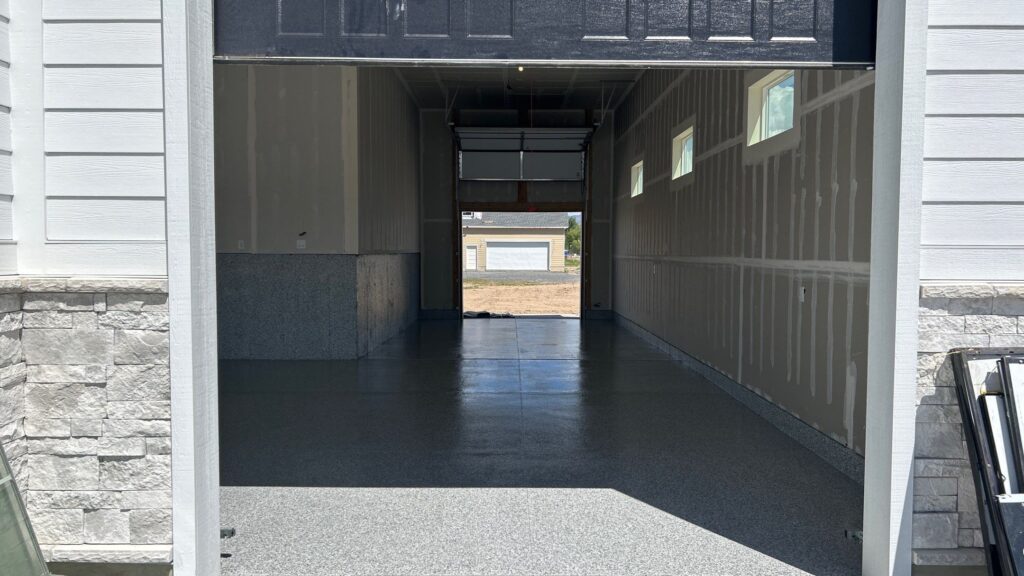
893,298
188,132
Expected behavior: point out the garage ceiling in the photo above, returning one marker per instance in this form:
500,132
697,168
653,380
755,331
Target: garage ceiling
506,87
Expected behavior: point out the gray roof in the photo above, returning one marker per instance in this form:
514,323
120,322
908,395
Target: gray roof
518,220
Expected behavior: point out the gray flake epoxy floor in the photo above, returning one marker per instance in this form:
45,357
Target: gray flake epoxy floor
516,446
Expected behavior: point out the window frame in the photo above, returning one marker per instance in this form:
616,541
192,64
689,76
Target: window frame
634,180
758,83
683,130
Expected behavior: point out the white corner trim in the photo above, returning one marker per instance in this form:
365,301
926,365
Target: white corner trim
188,135
893,294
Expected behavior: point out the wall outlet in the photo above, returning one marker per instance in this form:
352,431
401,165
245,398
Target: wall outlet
803,293
241,244
300,244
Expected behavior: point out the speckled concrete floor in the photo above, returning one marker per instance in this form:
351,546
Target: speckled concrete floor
516,446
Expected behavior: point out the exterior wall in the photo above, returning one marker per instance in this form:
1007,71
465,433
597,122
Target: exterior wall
971,293
84,389
479,237
12,383
974,143
947,528
8,247
758,268
97,417
89,135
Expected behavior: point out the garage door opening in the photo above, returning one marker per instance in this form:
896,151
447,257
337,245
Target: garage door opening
521,264
704,414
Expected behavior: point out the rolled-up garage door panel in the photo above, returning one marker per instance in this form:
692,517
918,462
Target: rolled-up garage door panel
517,255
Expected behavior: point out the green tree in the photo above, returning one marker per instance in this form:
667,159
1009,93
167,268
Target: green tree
572,236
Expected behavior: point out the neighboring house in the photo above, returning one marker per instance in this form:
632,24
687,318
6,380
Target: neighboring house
514,240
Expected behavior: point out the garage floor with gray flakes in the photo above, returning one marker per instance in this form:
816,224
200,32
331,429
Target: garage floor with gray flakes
516,446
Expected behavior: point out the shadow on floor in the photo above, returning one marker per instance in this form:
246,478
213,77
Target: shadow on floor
518,405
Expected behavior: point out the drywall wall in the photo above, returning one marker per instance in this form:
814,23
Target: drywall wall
756,266
317,171
284,169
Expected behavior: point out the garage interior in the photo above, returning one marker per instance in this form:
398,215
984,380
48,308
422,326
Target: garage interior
705,414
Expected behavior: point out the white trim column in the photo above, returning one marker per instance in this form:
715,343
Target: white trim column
191,267
895,281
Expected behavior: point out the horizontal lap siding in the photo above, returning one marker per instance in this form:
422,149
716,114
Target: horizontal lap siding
974,143
8,248
103,136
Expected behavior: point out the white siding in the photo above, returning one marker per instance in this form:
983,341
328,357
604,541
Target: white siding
105,219
8,249
101,10
107,88
104,132
108,175
971,225
91,127
114,43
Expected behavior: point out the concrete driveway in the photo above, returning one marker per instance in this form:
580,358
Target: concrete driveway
526,276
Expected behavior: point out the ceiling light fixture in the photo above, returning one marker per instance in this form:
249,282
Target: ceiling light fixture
520,68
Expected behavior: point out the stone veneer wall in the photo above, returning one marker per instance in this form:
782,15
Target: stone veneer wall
947,529
85,414
12,382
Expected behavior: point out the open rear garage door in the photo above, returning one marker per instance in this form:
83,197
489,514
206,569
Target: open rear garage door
711,32
517,255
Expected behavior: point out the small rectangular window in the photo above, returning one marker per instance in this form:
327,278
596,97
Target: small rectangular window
778,106
682,153
636,174
772,107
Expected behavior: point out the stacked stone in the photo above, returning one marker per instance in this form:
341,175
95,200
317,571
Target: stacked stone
97,414
12,382
947,528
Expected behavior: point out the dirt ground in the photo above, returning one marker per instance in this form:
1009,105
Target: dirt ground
520,298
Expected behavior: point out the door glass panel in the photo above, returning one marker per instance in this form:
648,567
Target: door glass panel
18,551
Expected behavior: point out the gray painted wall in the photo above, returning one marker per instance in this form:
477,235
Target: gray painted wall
759,269
436,193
